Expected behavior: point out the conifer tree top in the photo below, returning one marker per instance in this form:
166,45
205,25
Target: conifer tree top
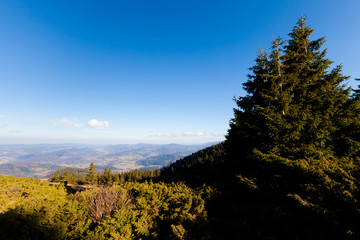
294,101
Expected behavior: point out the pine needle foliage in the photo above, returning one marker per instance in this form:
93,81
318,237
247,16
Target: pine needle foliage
294,138
91,177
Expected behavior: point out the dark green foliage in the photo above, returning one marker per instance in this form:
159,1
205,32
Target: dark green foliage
66,176
73,178
91,177
197,169
56,177
77,175
294,104
293,145
136,175
357,91
80,179
203,167
348,137
106,178
177,211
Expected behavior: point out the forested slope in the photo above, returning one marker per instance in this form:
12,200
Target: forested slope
289,168
203,167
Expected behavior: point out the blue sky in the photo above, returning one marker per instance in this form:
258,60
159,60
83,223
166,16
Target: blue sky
145,71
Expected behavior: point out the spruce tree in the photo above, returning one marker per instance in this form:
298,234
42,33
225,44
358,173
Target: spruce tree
91,177
294,137
80,179
73,179
56,177
357,91
294,105
108,177
66,176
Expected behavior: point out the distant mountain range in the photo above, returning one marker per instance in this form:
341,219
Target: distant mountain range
39,160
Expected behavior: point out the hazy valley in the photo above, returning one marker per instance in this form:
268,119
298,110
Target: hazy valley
42,159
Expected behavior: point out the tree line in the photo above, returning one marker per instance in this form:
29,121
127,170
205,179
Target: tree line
106,177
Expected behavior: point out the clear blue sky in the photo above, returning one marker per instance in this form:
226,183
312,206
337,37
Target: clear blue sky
145,71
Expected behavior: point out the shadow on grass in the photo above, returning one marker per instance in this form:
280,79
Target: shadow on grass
15,225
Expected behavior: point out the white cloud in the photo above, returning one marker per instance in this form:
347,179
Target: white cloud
66,123
2,116
188,134
98,124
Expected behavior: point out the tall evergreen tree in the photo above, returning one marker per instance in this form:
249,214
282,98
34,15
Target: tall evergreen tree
81,179
357,91
108,177
294,105
66,176
91,177
57,176
73,179
293,137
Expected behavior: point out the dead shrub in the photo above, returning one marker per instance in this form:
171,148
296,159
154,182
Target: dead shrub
102,202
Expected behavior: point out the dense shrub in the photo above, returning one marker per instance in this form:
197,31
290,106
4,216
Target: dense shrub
31,209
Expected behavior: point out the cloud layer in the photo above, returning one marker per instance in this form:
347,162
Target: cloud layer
93,123
66,123
98,124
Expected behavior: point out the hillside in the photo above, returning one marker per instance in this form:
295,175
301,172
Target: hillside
206,166
263,208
